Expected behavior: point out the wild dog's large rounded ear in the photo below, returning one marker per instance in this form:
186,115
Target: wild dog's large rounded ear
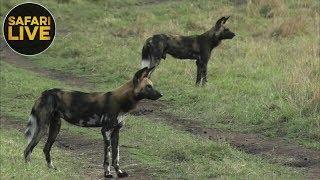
139,75
150,70
225,19
219,22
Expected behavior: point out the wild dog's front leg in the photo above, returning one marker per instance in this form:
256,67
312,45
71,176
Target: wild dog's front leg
106,133
199,71
204,74
205,58
202,70
115,153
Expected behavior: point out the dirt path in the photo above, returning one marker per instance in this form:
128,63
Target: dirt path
150,2
80,147
19,61
278,150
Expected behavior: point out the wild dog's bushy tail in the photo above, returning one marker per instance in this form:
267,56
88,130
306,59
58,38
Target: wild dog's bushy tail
41,113
146,55
154,50
31,126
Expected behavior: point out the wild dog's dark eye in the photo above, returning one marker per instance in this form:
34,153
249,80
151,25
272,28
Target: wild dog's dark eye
148,86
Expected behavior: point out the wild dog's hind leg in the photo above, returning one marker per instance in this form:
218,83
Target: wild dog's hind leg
115,153
34,141
54,130
106,133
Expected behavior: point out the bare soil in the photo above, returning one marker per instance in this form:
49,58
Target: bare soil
150,2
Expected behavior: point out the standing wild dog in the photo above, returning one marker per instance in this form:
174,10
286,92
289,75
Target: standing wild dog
196,47
88,110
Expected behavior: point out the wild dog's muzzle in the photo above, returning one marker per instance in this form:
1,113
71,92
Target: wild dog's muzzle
155,95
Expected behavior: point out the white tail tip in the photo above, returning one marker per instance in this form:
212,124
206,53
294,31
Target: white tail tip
32,124
145,63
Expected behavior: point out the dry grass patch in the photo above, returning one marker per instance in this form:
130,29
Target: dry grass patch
290,27
266,8
302,85
191,25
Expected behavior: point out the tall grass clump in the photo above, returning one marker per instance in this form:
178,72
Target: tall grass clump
266,8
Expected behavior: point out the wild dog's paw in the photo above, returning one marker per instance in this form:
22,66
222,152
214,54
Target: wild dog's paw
51,166
108,175
27,157
122,174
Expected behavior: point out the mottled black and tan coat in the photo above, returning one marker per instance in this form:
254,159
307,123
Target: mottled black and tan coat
197,47
99,109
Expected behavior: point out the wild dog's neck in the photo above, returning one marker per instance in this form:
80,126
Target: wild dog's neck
211,35
126,97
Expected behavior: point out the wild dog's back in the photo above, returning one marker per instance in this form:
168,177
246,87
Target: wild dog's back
84,109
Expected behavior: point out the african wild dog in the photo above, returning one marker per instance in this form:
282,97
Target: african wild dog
88,110
196,47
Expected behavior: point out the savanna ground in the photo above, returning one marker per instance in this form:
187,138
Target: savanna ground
258,116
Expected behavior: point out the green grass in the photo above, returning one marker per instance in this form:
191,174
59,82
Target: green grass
171,153
20,89
14,167
257,83
164,151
